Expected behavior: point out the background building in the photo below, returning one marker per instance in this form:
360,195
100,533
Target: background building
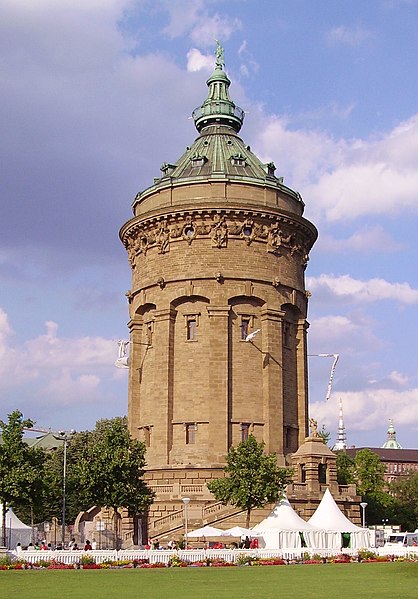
398,461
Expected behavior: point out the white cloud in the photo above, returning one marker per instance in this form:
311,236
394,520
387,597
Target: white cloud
366,410
68,389
49,357
398,378
348,36
346,179
355,290
5,330
370,188
365,240
183,15
196,61
214,27
193,18
348,335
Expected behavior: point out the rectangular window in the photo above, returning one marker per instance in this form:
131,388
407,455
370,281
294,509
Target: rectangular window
191,434
244,327
245,431
191,329
286,436
148,332
322,473
287,330
147,436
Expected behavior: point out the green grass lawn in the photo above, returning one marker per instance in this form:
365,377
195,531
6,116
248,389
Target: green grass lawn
329,581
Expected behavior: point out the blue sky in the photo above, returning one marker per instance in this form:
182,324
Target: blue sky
96,94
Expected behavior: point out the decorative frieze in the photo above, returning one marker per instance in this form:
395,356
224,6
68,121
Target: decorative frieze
281,235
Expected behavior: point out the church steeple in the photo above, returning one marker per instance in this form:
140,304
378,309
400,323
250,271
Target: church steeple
218,108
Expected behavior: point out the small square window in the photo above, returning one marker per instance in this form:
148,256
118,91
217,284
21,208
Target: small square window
191,434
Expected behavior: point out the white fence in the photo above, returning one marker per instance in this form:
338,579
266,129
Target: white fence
194,555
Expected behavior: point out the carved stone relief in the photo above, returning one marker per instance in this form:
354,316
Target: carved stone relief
219,232
276,235
162,238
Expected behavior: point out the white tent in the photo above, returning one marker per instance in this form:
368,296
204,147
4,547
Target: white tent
239,531
282,528
206,532
330,518
16,530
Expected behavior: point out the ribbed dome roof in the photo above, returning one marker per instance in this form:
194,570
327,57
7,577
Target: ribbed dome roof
219,152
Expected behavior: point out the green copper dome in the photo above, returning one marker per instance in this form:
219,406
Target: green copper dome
218,153
218,108
391,442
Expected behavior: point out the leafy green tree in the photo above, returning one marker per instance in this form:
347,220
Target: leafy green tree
252,479
21,467
110,468
405,507
345,468
369,472
324,434
369,476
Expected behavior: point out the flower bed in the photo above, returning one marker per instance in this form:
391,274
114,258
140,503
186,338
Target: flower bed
87,562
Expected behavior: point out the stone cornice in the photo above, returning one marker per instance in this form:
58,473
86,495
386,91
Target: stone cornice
282,233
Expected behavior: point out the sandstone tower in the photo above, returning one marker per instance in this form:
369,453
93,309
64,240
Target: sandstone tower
218,249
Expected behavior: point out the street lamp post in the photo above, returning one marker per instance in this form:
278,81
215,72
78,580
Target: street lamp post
384,524
363,506
186,501
64,481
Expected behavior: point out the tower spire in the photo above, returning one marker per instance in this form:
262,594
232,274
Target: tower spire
218,108
341,443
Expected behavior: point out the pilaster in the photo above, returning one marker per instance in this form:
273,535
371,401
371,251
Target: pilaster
302,379
272,377
219,390
163,367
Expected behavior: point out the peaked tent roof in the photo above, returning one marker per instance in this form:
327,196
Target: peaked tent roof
239,531
328,516
12,521
206,531
283,517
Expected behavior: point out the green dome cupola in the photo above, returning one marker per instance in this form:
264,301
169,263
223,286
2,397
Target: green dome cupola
218,108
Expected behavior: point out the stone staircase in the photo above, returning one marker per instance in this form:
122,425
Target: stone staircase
216,514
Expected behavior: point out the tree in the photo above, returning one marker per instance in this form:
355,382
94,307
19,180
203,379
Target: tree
110,469
345,468
369,472
252,479
369,476
324,434
405,508
20,465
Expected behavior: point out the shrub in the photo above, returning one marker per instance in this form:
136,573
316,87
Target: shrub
366,554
